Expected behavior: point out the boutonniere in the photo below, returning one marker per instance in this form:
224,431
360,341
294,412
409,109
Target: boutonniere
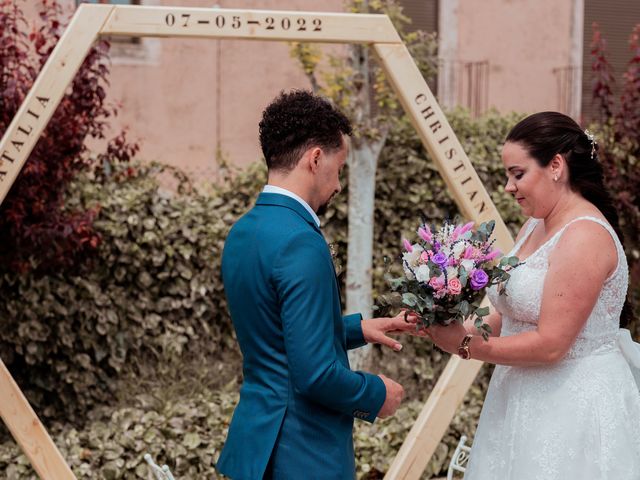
333,250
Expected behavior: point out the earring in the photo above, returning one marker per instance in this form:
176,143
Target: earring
555,178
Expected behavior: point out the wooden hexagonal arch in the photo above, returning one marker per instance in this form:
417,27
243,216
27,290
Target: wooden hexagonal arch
91,21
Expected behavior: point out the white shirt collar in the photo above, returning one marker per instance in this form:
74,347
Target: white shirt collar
283,191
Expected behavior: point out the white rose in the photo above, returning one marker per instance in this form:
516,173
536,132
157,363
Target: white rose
407,272
422,273
452,272
413,258
467,264
459,249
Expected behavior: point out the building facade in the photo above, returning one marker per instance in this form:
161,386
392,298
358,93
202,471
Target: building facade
194,103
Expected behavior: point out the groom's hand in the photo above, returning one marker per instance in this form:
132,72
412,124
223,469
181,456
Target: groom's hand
375,330
395,394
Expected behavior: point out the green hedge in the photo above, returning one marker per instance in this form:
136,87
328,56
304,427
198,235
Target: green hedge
188,433
153,291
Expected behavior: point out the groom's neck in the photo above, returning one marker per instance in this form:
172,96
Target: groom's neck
294,184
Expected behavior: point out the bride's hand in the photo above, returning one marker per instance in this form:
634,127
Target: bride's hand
376,330
447,338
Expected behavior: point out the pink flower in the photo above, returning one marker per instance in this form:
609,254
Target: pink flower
492,255
452,262
455,287
466,227
437,283
425,234
468,253
425,256
407,245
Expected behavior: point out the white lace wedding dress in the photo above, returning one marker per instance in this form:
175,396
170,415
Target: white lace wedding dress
578,419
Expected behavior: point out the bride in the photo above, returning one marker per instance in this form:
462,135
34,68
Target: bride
562,402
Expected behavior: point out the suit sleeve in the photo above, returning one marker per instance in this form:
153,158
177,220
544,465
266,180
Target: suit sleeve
303,276
353,328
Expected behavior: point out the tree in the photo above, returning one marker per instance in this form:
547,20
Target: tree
357,84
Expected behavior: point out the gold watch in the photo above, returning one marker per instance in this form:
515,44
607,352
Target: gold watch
463,349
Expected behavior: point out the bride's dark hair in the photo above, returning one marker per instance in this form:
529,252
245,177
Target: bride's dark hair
545,134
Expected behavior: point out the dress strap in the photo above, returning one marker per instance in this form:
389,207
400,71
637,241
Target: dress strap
606,226
530,227
616,241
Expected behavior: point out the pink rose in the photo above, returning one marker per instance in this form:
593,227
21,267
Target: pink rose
455,287
437,283
425,256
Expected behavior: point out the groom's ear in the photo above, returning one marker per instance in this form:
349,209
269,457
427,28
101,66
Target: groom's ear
312,158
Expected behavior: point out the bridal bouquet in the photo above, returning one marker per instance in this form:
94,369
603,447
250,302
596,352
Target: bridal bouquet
447,272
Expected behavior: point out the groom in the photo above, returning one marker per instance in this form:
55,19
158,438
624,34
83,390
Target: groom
299,397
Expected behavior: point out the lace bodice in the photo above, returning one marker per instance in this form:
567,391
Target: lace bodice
520,308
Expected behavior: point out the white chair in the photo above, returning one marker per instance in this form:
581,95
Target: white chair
160,473
459,459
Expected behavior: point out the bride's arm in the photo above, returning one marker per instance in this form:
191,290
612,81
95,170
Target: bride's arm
578,267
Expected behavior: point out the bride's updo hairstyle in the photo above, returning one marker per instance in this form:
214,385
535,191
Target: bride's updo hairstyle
545,134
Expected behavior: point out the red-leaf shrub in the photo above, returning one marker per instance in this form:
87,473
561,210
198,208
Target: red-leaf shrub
619,138
37,232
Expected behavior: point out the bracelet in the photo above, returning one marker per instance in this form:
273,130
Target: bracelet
463,349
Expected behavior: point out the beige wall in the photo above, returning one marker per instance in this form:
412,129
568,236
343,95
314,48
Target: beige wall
524,40
196,93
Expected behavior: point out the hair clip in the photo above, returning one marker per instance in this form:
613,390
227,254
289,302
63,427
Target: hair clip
592,138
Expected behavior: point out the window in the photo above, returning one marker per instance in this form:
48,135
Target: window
131,50
616,19
423,14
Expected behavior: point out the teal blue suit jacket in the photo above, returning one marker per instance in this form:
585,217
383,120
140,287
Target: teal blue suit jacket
295,416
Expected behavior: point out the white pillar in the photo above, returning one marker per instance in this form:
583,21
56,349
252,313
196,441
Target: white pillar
575,60
447,52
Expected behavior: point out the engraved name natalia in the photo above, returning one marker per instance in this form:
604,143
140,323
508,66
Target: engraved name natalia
462,176
25,128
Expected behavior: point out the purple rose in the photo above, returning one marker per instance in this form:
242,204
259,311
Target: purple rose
440,259
479,279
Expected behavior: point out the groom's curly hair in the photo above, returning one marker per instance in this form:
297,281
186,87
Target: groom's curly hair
296,121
